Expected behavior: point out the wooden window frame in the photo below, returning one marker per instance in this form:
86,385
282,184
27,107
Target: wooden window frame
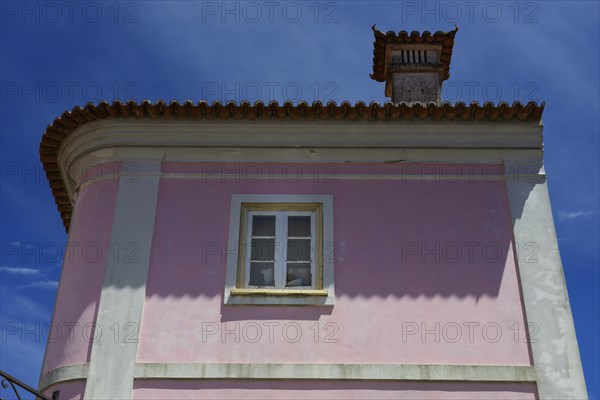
237,288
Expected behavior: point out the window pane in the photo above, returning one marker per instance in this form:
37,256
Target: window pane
263,250
298,275
298,249
263,225
262,274
299,226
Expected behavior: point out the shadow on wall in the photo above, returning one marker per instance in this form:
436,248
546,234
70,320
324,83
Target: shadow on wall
391,238
336,389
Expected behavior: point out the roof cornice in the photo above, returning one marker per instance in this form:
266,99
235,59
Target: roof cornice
389,114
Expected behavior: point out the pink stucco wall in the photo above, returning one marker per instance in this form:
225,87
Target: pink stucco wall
72,390
386,294
165,389
82,276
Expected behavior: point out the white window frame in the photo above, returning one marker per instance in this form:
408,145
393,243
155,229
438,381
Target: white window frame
243,207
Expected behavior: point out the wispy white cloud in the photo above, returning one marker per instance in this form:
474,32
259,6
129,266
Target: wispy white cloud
19,270
23,308
41,285
570,215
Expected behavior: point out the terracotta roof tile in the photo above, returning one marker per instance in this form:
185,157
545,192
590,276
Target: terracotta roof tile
69,121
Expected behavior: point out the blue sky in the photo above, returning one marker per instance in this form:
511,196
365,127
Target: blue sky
55,56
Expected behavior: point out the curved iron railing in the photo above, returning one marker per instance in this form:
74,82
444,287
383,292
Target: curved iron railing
8,380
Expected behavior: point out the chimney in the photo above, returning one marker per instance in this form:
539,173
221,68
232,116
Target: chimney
413,66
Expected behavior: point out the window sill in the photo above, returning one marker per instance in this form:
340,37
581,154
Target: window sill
278,292
302,297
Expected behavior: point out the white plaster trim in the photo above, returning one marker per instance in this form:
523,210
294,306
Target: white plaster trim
308,176
313,154
63,374
355,139
384,372
466,177
394,372
112,359
328,250
334,177
334,134
73,170
554,349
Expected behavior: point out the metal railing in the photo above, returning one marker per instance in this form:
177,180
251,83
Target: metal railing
14,383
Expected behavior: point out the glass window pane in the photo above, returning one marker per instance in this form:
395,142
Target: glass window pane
298,275
298,249
299,226
263,250
262,274
263,225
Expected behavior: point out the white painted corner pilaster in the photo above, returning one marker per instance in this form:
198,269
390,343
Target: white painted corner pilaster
553,343
113,355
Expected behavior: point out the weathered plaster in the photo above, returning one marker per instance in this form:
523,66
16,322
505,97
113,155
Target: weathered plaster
113,356
555,351
423,87
82,273
350,372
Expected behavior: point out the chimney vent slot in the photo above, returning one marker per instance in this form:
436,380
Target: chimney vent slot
413,57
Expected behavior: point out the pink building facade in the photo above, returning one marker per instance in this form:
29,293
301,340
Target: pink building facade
314,251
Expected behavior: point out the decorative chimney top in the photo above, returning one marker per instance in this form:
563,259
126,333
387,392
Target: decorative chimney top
413,66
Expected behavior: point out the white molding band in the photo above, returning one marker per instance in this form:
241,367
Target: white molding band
332,134
325,178
112,359
307,176
80,161
63,374
555,351
306,141
385,372
394,372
